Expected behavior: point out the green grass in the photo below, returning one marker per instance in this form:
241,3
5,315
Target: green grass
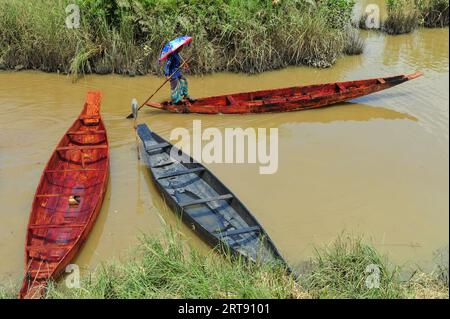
7,292
355,44
165,267
341,271
402,17
434,13
126,36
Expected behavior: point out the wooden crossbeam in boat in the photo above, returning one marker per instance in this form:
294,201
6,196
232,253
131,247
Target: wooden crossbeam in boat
44,226
182,172
46,247
74,170
381,80
42,273
85,147
240,231
163,164
206,200
231,100
275,100
341,87
153,147
89,117
56,195
86,132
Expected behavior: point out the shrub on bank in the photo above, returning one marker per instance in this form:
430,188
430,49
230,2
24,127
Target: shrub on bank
402,16
355,44
126,36
433,13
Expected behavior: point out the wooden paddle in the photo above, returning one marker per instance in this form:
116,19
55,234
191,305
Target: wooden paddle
130,116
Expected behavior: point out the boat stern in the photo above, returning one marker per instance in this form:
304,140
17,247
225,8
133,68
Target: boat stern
414,75
32,289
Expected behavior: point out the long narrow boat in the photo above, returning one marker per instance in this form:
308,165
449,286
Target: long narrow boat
68,199
286,99
206,205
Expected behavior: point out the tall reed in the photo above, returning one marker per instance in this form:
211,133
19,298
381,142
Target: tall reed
402,16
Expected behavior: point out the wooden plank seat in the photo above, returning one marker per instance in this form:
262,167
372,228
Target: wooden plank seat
86,132
153,147
341,88
275,100
206,200
46,247
57,195
231,100
44,226
239,231
181,172
162,164
84,147
40,273
74,170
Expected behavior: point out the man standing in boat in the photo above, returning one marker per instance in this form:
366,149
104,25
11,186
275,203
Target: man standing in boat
173,69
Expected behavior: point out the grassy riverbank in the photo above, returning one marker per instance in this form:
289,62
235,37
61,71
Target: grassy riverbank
404,16
164,268
126,36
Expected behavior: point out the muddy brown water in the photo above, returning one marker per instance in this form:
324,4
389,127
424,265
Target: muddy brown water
377,166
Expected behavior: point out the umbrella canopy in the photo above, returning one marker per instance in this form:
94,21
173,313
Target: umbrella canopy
173,45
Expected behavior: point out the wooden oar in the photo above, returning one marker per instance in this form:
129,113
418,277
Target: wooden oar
130,116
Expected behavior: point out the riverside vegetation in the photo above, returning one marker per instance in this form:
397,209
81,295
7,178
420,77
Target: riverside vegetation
404,16
165,267
126,36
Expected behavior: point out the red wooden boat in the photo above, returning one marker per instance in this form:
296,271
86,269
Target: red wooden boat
68,199
287,99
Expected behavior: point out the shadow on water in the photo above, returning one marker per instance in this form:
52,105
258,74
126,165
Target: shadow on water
424,50
349,111
166,215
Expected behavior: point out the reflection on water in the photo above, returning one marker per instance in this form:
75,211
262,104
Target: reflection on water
347,111
377,165
425,49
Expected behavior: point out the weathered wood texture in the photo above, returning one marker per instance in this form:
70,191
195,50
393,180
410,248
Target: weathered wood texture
68,199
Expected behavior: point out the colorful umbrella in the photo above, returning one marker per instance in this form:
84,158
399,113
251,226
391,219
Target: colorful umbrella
173,45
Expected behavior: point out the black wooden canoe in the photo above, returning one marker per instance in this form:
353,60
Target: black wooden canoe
204,203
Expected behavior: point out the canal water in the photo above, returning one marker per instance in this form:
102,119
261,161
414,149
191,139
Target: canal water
377,166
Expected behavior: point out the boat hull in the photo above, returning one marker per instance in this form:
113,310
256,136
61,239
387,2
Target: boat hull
204,203
286,99
68,199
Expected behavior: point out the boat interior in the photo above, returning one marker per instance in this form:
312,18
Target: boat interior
67,194
199,194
